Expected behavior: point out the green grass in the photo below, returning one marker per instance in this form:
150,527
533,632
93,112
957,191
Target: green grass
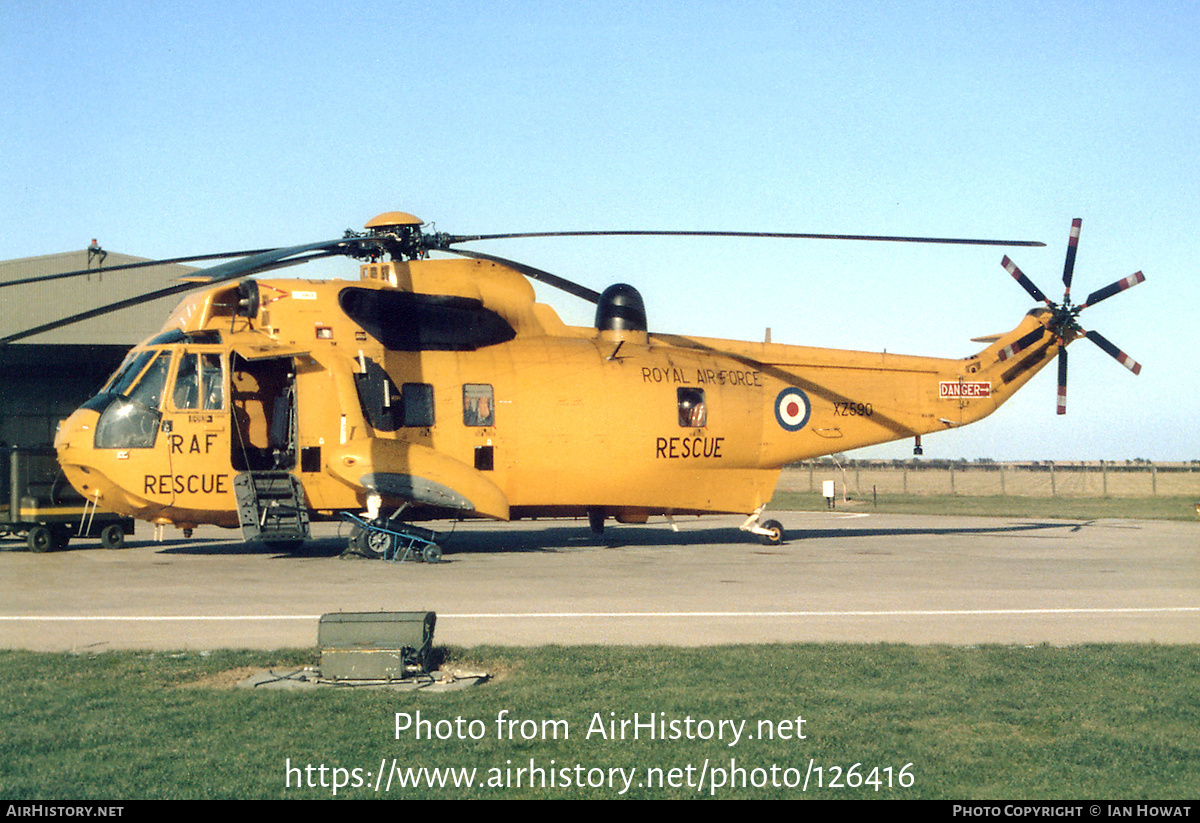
1071,508
974,723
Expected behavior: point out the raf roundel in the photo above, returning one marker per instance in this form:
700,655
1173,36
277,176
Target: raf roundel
792,409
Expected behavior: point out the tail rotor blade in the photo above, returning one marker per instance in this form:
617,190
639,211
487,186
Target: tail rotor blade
1115,353
1025,282
1062,381
1114,288
1022,344
1069,265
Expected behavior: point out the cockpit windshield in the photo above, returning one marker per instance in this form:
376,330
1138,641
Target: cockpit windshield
149,388
129,371
129,404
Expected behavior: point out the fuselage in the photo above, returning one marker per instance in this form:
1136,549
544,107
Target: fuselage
442,384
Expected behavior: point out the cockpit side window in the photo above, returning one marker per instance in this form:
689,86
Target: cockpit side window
212,383
198,383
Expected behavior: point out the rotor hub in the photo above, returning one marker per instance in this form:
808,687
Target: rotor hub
393,220
398,233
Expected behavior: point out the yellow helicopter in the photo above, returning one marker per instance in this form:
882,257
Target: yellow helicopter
439,388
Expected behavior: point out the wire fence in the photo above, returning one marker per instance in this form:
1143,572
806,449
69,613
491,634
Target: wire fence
1042,479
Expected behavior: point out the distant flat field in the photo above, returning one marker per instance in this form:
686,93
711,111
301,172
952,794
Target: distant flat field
987,480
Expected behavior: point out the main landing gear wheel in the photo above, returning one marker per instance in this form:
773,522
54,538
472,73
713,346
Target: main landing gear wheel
391,540
370,543
774,534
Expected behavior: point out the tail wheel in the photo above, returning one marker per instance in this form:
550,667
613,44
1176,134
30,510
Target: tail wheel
774,535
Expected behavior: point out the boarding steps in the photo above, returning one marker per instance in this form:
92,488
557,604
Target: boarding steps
271,506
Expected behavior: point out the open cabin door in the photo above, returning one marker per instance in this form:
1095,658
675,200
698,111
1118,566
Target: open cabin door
263,452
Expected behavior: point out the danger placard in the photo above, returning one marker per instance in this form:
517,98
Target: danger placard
964,389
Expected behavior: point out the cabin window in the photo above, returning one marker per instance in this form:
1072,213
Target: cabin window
479,405
417,400
386,408
198,383
693,412
378,397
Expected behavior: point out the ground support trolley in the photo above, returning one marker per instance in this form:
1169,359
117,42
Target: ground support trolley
392,540
37,503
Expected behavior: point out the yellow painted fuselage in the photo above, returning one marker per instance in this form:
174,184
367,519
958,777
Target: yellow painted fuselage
521,417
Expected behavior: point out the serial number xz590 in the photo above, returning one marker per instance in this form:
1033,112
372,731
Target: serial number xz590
853,410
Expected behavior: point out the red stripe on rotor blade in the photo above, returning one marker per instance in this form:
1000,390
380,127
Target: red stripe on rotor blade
1131,281
1129,363
1062,381
1114,288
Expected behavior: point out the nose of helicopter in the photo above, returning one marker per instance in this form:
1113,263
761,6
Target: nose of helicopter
73,442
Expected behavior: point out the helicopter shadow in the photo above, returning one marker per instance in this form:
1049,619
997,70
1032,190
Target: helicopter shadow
555,539
565,538
1012,528
321,547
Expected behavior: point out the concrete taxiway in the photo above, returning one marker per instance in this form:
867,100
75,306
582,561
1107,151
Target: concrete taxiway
841,577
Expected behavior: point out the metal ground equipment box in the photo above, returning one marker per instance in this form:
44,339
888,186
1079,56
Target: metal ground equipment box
375,645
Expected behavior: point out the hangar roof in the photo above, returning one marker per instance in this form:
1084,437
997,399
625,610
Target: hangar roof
32,304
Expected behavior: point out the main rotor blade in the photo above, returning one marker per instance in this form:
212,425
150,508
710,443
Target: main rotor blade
1069,265
123,266
178,288
277,258
1113,288
1025,282
1115,353
266,261
546,277
1022,344
452,239
1062,380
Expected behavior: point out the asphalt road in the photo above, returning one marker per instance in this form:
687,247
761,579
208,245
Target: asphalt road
840,578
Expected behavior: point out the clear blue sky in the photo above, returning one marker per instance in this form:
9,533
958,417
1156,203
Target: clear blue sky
169,129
